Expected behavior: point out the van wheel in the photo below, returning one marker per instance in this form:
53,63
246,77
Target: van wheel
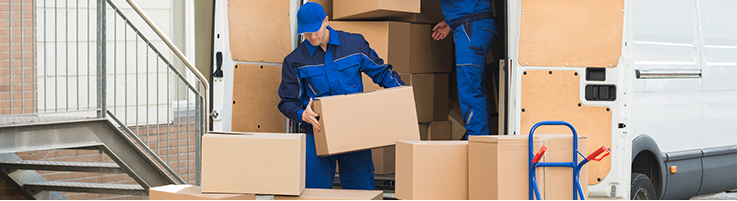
642,188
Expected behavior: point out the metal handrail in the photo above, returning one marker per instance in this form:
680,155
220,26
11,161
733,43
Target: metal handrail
200,77
168,42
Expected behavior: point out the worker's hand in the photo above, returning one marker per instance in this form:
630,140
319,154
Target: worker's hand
440,31
310,116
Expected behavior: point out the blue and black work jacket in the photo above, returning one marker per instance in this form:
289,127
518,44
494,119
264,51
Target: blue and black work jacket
309,72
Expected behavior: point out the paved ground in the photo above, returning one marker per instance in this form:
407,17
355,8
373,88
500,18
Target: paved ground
719,196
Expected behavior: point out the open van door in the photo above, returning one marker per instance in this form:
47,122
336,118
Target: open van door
569,61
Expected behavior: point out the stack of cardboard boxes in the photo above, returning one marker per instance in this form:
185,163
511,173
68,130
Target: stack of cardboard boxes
400,32
274,163
485,168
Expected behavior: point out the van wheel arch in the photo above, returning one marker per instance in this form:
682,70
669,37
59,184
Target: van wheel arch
647,159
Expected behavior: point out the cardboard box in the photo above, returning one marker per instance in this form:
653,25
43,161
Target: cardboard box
334,194
457,129
559,180
437,130
365,120
432,170
428,55
408,47
256,163
189,192
254,99
373,9
498,167
430,12
384,159
431,95
259,31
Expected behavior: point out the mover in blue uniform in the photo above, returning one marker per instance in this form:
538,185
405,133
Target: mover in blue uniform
329,63
472,24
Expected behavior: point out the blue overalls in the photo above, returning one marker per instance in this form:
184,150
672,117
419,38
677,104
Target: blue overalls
473,29
310,72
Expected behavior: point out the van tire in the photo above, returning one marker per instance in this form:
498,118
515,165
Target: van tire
642,188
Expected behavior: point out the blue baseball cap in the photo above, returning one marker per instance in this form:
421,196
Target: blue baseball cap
310,17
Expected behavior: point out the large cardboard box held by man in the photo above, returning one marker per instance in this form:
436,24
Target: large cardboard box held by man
365,120
334,194
498,167
432,170
256,163
190,192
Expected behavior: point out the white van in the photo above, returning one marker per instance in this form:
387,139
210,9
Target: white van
654,80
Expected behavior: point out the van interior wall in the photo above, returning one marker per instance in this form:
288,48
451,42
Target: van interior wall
498,51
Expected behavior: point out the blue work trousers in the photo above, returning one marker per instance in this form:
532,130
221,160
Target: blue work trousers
472,41
356,169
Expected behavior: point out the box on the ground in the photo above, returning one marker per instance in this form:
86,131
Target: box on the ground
365,120
384,159
373,9
334,194
432,170
256,163
259,31
190,192
559,180
408,47
431,95
498,167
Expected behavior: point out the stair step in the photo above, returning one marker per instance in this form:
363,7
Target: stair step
63,166
27,119
103,188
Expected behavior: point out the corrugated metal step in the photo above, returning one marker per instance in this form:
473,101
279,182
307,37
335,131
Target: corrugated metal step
30,119
63,166
104,188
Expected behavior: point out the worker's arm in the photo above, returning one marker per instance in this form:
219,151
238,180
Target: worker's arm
440,31
290,92
374,67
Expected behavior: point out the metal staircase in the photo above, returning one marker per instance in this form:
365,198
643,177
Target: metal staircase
105,124
99,134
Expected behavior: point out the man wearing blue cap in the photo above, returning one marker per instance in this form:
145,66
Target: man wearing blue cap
329,63
473,29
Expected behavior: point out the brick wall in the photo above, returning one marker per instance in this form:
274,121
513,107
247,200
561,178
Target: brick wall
16,67
17,57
